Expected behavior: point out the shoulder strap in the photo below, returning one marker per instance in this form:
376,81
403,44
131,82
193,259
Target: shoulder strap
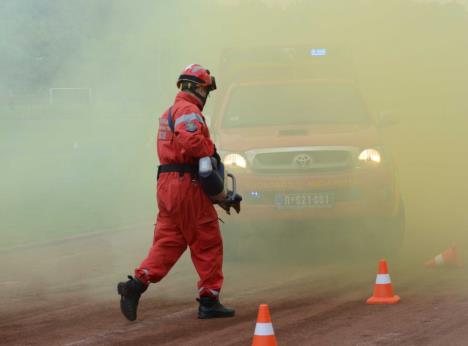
170,121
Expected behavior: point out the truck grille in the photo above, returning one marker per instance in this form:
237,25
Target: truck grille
301,160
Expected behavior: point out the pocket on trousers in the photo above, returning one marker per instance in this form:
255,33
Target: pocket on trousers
168,196
208,215
209,235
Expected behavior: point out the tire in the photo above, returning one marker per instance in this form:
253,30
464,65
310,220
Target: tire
238,242
384,237
254,241
396,231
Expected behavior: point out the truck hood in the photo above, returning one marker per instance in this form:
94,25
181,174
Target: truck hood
243,139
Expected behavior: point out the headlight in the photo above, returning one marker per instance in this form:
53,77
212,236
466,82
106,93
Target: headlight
370,155
235,160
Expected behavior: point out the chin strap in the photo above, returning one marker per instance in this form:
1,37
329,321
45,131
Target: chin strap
199,96
188,86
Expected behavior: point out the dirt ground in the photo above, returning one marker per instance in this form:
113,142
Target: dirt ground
63,293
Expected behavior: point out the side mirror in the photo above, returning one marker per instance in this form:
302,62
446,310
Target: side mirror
388,118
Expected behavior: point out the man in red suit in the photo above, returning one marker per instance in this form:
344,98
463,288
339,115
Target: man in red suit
186,215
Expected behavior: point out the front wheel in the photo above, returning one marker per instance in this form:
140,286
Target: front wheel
239,242
384,237
396,230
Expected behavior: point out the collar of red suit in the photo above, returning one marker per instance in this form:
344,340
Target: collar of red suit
182,95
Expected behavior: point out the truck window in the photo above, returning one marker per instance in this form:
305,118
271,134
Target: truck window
294,104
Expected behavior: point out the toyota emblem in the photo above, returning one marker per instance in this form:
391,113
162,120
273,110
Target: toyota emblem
302,161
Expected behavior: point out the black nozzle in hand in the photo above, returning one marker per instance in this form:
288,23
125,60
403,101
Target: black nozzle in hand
233,199
229,203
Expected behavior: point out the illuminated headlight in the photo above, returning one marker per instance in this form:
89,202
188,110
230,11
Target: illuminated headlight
370,155
235,160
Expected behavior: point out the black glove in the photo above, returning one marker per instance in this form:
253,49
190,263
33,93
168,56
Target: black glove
231,202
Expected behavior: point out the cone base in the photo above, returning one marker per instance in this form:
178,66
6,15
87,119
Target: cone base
445,265
264,340
383,300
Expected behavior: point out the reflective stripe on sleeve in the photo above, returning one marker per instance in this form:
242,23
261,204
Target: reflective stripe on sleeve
188,117
382,279
264,329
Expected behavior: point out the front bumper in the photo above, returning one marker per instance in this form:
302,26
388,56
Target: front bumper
357,193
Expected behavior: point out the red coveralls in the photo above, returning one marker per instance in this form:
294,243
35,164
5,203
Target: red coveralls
186,214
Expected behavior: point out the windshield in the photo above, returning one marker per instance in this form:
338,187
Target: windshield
294,104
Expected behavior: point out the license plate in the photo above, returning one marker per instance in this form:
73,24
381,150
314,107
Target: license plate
305,200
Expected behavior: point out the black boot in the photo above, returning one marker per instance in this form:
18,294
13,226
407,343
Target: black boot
212,308
130,293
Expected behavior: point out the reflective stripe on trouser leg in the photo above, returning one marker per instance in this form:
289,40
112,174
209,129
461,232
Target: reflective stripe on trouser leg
202,291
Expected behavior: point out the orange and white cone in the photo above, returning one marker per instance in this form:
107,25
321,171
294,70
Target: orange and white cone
264,334
383,291
447,258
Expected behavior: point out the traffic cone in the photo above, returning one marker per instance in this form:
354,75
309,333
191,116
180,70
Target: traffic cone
448,257
264,334
383,291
